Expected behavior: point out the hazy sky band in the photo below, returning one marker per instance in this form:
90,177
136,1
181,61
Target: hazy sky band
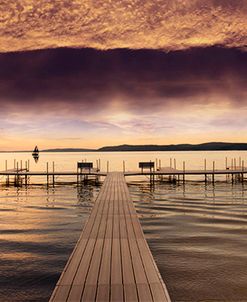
89,98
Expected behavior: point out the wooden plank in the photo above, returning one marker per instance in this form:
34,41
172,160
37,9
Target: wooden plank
116,267
105,270
117,293
61,293
103,293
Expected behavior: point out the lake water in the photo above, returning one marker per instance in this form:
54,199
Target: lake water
197,233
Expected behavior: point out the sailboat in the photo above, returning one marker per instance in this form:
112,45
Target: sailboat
35,151
35,154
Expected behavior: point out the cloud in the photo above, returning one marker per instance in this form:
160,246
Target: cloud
121,96
135,24
69,82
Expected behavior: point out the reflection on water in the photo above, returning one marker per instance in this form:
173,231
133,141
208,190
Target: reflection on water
39,227
198,236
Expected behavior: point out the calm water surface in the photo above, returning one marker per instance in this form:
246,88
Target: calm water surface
197,233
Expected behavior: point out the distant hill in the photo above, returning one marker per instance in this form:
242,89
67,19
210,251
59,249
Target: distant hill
213,146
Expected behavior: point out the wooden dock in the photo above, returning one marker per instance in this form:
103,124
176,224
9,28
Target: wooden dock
111,260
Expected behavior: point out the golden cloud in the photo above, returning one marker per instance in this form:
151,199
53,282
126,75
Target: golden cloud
109,24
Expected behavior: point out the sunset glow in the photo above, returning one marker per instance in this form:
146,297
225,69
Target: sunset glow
64,97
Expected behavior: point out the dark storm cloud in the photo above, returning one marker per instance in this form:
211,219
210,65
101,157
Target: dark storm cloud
140,79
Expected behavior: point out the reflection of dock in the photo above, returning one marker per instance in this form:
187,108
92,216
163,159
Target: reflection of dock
111,261
160,174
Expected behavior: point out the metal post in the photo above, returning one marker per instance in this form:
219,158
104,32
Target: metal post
47,171
26,173
77,176
17,176
184,172
6,169
242,171
53,171
213,171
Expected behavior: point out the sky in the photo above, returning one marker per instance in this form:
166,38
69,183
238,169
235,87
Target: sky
96,73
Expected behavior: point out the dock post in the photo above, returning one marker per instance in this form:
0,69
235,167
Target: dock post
21,164
53,171
205,169
175,168
226,168
159,163
107,169
17,176
47,172
26,173
123,166
170,176
14,164
77,175
184,172
28,165
242,176
6,169
213,171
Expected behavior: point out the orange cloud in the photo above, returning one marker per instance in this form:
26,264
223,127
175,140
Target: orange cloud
135,24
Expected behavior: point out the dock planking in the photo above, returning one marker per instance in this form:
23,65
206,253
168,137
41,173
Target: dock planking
111,260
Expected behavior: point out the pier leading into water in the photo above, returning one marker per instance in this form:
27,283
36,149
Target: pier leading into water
112,260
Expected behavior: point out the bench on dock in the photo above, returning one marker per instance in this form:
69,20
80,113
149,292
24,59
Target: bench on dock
146,165
111,260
